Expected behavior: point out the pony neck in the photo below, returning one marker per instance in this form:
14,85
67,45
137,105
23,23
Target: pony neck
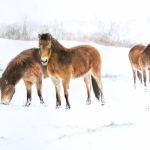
56,46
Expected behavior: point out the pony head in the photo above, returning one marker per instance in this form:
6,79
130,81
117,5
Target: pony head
45,47
6,91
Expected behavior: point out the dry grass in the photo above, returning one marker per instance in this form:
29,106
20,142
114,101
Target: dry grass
67,31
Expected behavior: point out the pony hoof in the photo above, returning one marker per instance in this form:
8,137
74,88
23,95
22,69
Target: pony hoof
148,108
42,102
88,102
57,106
102,102
28,104
67,106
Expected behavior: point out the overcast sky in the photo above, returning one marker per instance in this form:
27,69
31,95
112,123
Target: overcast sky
12,11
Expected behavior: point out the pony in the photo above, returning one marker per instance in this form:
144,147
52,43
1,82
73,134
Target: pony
26,66
64,64
134,55
144,62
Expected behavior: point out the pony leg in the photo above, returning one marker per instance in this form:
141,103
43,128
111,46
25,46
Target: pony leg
139,74
39,87
134,77
56,82
144,78
149,74
97,86
87,80
28,85
65,83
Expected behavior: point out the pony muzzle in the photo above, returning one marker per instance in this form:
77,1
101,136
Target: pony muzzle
5,102
44,61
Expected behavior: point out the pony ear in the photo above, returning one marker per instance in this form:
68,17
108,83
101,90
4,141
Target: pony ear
39,36
49,36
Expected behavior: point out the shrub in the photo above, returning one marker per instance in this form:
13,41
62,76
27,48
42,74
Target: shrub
98,32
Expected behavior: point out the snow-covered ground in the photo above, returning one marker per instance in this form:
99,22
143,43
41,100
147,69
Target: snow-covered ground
123,123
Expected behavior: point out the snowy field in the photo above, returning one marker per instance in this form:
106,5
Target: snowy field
122,124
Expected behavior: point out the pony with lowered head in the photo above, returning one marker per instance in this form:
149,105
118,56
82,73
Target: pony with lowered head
25,66
69,63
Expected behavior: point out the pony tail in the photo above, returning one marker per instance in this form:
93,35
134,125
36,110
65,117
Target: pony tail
95,88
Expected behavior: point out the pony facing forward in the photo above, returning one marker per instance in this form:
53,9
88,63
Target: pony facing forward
69,63
26,66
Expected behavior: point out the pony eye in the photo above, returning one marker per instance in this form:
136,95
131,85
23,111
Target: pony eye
39,46
6,90
49,46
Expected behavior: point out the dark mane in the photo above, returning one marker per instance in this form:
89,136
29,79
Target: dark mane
147,49
13,71
45,36
16,67
56,46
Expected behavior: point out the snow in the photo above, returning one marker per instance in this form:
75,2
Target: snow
121,124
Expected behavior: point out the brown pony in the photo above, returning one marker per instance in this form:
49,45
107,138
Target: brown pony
144,62
134,55
26,66
66,63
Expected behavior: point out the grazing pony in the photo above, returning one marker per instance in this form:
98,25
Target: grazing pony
26,66
144,62
66,63
134,55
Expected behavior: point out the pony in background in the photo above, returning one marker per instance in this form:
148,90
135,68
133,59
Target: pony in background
134,55
144,62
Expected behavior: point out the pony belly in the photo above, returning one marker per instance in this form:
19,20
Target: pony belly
136,67
81,73
62,72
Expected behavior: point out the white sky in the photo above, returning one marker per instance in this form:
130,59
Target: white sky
37,10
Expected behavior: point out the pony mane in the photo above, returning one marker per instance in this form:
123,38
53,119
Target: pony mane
147,49
56,46
45,36
15,67
13,71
